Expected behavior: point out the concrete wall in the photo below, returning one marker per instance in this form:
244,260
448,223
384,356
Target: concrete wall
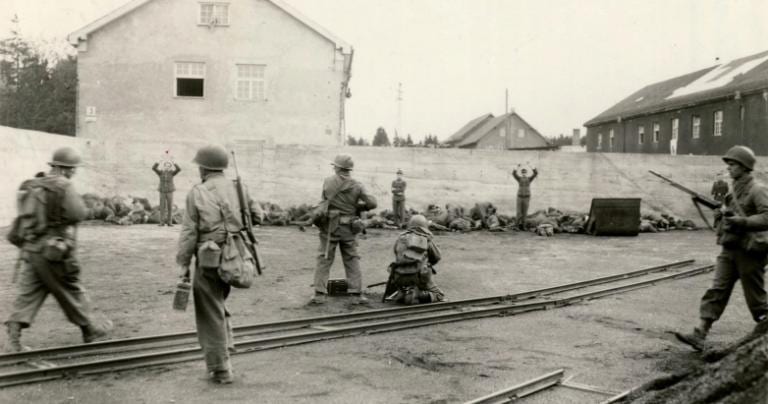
126,72
293,174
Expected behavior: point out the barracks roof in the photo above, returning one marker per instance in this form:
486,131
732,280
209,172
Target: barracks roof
745,74
466,129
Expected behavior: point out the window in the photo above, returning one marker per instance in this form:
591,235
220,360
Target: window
675,128
695,126
250,82
610,139
190,79
214,14
741,112
656,132
521,133
717,129
599,141
640,134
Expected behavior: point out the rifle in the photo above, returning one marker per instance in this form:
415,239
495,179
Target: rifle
695,196
245,215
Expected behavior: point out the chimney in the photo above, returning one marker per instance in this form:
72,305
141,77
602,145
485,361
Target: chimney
576,141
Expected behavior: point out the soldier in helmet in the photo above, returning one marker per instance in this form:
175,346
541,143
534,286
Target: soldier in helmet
166,188
416,253
346,198
745,211
45,233
211,210
398,198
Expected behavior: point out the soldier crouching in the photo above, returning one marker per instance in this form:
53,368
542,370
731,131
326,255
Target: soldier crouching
416,253
345,198
210,214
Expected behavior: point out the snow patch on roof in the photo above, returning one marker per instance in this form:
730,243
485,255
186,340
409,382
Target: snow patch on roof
718,77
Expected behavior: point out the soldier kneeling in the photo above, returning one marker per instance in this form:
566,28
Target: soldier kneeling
410,277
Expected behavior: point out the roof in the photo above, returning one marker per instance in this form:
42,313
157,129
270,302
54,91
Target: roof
533,139
82,34
745,74
466,129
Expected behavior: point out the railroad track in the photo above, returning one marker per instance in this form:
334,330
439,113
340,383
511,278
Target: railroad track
131,353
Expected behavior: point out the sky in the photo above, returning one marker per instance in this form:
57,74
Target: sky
562,61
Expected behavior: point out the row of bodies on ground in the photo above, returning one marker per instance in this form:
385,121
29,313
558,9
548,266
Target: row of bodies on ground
482,216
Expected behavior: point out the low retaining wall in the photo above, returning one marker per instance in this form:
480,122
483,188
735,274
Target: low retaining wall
290,175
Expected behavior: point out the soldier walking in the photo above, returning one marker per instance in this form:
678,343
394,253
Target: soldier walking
46,235
398,198
210,210
346,198
745,211
166,188
523,194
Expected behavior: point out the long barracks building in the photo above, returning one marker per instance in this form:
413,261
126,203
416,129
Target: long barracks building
704,112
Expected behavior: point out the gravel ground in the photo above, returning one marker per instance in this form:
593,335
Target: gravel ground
615,343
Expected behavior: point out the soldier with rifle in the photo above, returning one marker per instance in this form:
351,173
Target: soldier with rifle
210,213
337,217
739,222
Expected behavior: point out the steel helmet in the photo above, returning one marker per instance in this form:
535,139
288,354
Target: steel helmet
343,161
212,157
65,157
418,221
742,155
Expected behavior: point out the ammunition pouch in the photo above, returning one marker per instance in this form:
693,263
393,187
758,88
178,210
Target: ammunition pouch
55,249
209,255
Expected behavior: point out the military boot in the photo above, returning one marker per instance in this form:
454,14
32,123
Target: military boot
14,338
358,298
696,339
93,332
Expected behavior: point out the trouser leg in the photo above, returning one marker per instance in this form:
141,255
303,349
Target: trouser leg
62,279
351,265
716,297
428,285
162,208
31,295
522,210
168,207
211,318
751,268
323,268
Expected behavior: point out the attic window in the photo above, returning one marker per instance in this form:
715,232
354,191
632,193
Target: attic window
190,79
212,14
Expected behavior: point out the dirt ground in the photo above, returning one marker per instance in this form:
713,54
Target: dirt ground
616,343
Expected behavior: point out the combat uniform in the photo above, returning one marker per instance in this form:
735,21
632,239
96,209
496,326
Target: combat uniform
734,261
40,276
419,281
349,197
523,196
719,190
745,211
398,200
166,189
203,221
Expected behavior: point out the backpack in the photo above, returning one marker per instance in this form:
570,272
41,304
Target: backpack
36,209
410,252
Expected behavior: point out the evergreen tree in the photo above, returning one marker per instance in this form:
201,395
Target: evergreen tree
381,138
35,93
351,141
409,141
